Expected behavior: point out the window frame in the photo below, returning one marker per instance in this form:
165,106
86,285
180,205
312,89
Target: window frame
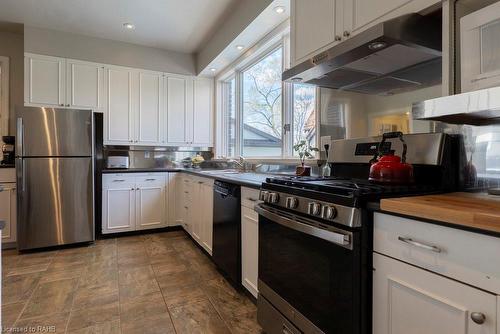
236,70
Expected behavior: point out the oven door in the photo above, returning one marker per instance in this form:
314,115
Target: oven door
310,272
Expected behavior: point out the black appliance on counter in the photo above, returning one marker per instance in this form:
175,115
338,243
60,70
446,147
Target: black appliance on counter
226,247
315,234
8,151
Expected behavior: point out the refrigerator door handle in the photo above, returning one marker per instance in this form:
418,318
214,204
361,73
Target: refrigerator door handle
20,137
21,175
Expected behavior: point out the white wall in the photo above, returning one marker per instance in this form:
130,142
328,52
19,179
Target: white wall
11,46
243,14
68,45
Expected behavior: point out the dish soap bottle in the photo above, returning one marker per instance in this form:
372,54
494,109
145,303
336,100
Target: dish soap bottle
326,170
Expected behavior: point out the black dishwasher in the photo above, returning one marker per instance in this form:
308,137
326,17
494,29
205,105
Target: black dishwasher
226,251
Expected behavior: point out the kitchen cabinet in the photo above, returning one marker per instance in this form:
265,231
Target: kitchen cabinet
205,213
59,82
318,25
479,48
173,215
202,119
313,26
150,202
85,85
8,212
118,205
149,115
177,109
119,114
410,300
249,240
133,202
44,80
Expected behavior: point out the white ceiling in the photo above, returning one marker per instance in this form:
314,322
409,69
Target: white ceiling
178,25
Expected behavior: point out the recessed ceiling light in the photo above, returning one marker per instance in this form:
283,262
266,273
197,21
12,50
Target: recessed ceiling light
213,69
279,9
240,47
129,25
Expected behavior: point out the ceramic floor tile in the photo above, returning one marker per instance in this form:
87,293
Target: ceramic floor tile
198,317
244,324
156,324
183,294
36,268
92,298
142,306
51,297
18,288
10,313
55,323
92,316
108,327
227,300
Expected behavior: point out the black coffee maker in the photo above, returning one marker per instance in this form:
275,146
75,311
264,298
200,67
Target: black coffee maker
8,151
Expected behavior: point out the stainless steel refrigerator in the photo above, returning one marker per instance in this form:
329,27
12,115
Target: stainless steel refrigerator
54,168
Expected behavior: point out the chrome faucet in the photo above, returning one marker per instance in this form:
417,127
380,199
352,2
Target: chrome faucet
239,163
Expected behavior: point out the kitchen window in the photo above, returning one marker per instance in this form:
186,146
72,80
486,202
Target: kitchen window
262,116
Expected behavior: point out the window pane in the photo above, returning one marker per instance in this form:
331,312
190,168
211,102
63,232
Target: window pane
262,125
304,114
230,116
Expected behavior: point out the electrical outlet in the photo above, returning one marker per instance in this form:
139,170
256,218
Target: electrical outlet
325,140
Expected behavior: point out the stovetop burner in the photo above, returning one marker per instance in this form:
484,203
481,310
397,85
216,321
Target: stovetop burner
353,188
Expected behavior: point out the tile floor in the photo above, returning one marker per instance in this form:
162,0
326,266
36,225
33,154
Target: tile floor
155,283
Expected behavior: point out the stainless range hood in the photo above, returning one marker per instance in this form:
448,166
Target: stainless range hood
480,107
395,56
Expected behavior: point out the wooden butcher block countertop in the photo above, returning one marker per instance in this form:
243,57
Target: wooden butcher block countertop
473,210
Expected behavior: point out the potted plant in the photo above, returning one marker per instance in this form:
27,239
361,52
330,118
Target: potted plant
305,152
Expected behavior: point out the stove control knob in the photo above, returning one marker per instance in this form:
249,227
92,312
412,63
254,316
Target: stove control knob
292,202
274,198
314,209
264,196
329,212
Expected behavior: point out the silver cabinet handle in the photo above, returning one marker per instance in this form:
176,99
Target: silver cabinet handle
200,182
251,199
478,317
347,33
418,244
150,179
338,38
118,180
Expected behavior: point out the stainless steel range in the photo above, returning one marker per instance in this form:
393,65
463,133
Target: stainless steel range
315,234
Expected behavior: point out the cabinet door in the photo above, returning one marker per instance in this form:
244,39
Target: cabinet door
150,205
118,117
185,205
149,117
85,85
176,110
207,215
196,211
312,27
249,250
118,207
8,211
202,112
409,300
171,205
44,80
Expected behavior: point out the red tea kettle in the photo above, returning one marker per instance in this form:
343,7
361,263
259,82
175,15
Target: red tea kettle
390,168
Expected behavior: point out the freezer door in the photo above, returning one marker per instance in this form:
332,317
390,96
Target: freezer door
55,201
52,132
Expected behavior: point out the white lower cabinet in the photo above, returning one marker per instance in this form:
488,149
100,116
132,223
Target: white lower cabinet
410,300
173,212
8,211
133,202
196,195
249,240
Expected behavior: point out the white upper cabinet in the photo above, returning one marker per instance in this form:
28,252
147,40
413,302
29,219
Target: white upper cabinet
320,24
85,85
176,109
118,118
202,112
312,27
149,116
44,80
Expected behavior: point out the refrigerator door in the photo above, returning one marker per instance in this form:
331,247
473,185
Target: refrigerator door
52,132
55,200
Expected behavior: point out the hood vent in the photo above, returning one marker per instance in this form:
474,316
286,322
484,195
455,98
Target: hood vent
480,107
395,56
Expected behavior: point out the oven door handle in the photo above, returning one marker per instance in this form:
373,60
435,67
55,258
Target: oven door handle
333,235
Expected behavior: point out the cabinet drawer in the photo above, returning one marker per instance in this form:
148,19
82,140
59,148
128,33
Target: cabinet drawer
249,197
462,255
155,178
116,179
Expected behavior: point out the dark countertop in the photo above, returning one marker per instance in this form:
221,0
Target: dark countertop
8,166
246,179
